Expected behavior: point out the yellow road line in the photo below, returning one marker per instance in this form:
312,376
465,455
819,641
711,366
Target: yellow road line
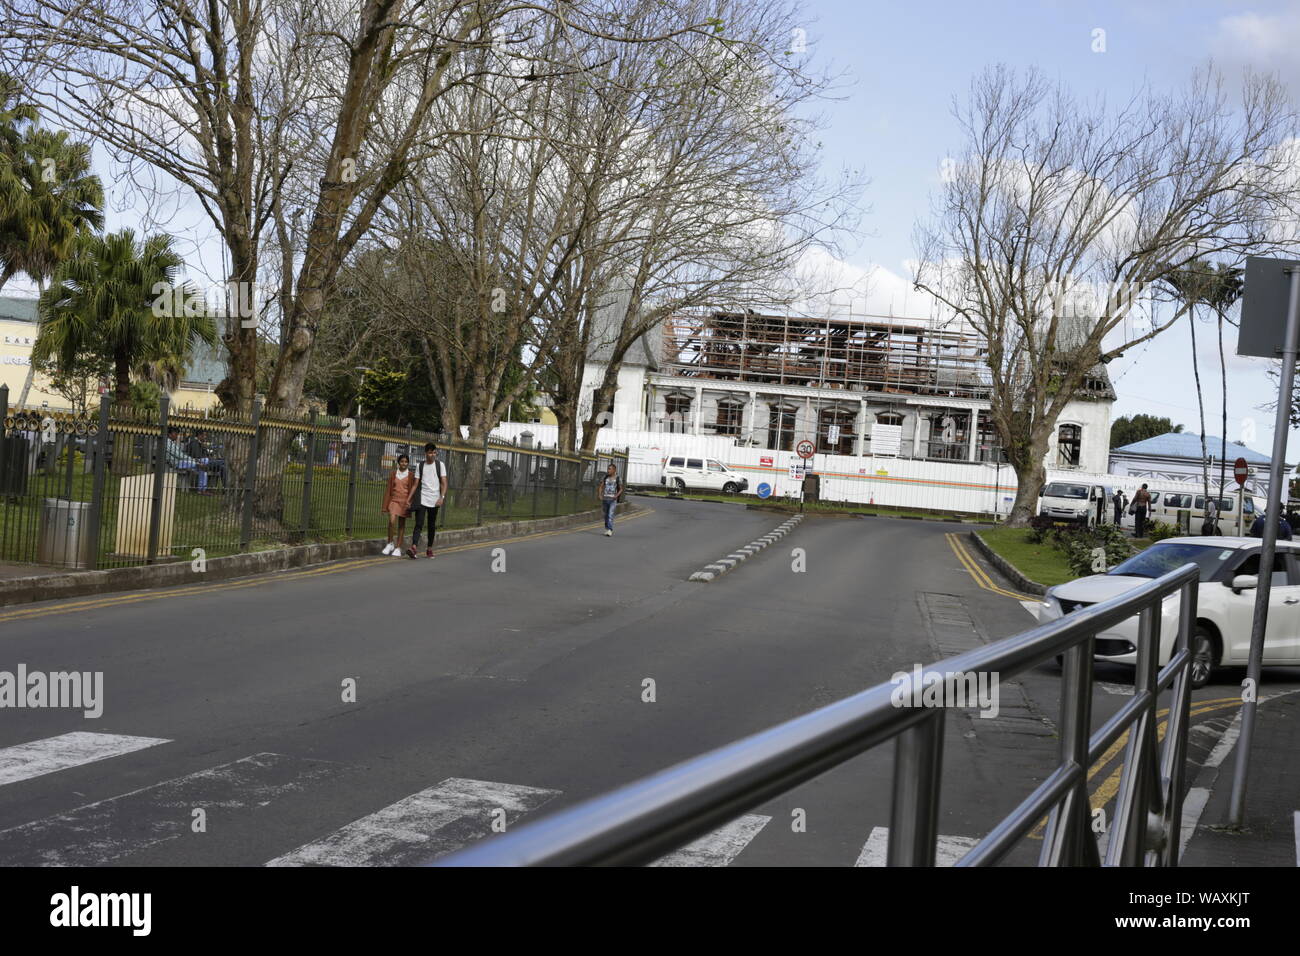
972,566
135,597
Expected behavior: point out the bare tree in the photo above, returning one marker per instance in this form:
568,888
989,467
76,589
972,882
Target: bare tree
1052,198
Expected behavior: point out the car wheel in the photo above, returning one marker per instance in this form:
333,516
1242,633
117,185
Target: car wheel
729,488
1202,663
681,486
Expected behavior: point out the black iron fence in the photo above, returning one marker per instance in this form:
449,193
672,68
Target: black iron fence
119,487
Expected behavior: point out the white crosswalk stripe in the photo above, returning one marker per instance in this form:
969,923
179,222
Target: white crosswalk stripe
423,826
948,849
39,757
105,831
720,847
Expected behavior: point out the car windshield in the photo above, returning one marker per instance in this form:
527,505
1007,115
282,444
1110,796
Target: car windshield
1163,557
1059,489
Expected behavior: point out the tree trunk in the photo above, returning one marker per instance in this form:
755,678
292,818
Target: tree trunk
1026,459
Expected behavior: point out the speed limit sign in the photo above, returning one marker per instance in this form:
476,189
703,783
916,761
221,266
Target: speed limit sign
806,449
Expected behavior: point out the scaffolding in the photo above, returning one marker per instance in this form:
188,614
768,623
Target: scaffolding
868,353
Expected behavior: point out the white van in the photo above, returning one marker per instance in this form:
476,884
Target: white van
1172,502
1080,502
701,474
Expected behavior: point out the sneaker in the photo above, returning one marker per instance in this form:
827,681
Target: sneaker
388,548
410,553
608,533
428,553
397,552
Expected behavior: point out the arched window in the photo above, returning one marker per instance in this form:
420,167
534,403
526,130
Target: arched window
889,418
677,413
730,413
780,427
844,422
1069,445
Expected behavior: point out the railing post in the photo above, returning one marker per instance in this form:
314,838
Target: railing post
1068,840
4,441
96,518
533,464
306,474
1130,829
354,462
159,476
1174,759
914,814
250,479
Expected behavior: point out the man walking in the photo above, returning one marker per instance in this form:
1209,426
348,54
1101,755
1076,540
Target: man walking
1141,504
611,489
1120,503
429,496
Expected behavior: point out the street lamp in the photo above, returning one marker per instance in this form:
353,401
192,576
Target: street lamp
363,370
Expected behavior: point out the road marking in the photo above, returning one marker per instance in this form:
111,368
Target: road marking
423,826
976,572
948,849
720,847
105,831
39,757
721,567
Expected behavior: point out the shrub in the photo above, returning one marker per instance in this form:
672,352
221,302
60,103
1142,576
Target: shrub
1092,550
1159,530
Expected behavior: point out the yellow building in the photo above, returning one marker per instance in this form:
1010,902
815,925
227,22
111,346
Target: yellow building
18,334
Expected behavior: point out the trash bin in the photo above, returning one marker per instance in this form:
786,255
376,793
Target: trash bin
65,538
812,487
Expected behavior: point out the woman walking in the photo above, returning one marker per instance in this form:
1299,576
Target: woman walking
397,503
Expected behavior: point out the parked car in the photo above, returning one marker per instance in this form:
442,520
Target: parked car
1224,610
1079,502
703,474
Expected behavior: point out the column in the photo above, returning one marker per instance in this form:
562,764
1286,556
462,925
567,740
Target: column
753,400
862,426
973,452
698,409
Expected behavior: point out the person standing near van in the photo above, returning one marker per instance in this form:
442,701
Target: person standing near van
1141,505
611,489
431,478
1211,523
397,504
1120,503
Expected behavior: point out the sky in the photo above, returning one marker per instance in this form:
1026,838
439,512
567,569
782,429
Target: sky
902,66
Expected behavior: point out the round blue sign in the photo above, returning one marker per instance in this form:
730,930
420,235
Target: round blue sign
764,490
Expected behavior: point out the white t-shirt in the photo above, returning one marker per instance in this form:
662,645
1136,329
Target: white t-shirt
431,490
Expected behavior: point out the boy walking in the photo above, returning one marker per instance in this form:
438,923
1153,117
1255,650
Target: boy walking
610,491
429,496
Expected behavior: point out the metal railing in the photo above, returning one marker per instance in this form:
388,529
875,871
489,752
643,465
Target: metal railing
641,822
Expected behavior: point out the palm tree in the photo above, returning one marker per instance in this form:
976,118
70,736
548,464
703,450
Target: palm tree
1194,284
106,295
1225,288
48,199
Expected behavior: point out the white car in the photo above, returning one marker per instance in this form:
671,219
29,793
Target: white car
706,474
1224,610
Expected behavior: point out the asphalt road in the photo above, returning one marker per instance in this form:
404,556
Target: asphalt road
499,682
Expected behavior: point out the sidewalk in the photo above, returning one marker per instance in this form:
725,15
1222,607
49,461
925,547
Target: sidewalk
1269,837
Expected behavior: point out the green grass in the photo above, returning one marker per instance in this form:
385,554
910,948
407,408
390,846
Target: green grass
1038,562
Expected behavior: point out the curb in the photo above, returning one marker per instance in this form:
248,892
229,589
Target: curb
66,584
1008,570
866,514
723,565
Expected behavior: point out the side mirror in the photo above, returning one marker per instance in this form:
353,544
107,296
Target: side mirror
1244,582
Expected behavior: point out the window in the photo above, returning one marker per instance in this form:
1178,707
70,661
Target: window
716,466
1059,489
696,463
1069,445
1251,566
729,416
780,427
677,413
889,418
845,422
676,462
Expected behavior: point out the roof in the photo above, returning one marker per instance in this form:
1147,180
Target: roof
17,308
1216,541
1188,445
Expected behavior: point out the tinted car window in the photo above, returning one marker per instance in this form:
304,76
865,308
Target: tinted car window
1162,557
675,462
1251,566
694,462
1059,489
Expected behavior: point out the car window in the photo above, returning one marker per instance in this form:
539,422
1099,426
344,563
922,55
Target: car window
675,462
1251,566
694,462
1059,489
1163,557
715,466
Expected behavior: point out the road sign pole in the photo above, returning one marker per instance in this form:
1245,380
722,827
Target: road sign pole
1282,421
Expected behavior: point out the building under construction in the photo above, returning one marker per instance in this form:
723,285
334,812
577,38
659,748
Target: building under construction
852,384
